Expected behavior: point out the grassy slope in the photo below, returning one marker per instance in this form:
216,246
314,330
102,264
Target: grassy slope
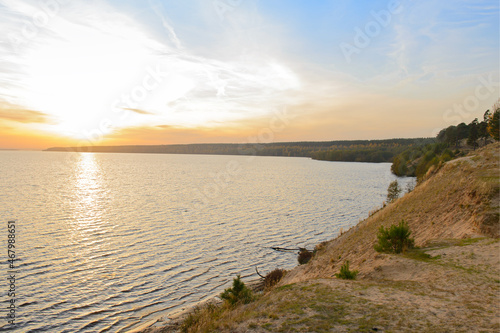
451,284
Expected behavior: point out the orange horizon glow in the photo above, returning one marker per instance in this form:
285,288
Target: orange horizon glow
285,125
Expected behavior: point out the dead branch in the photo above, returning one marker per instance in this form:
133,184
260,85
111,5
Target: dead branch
259,273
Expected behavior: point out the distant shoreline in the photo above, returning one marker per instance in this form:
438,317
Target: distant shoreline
377,151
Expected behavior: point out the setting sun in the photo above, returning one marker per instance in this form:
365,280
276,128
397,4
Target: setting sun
76,77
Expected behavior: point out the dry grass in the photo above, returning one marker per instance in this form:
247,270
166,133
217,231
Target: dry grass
451,287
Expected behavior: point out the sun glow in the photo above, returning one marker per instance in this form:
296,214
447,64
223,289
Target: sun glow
95,71
77,76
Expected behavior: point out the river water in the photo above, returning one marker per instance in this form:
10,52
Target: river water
105,242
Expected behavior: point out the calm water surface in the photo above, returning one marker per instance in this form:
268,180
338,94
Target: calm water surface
108,241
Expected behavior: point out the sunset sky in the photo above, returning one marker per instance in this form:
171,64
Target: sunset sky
169,71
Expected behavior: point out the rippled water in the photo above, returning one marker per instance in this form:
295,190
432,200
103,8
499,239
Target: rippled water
108,241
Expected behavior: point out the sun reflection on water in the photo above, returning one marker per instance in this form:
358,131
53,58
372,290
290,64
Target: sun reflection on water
87,187
88,200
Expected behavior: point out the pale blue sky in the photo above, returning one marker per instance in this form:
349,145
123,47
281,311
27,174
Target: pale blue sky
341,69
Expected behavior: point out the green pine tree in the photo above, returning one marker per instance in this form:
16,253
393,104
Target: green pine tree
494,125
393,191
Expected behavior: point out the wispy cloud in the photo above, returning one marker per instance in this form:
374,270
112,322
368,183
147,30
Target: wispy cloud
15,113
23,116
138,111
159,10
446,38
89,63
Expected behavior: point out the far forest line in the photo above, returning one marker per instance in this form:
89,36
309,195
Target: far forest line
348,150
